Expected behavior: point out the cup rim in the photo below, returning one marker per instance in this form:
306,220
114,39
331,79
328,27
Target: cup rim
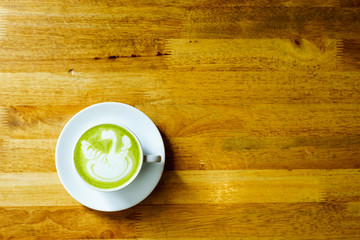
126,183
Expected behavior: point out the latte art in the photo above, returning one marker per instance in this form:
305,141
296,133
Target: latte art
107,156
110,166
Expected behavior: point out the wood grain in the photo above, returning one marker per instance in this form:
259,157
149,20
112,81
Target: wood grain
279,220
202,187
258,103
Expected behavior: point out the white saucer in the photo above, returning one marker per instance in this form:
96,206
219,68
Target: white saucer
116,113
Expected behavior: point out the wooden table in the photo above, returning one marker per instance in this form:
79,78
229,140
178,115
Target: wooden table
258,103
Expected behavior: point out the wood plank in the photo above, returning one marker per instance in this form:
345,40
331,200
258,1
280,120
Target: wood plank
210,187
93,24
261,153
2,22
271,54
38,29
263,120
350,3
278,220
350,54
141,31
82,4
181,88
295,53
28,155
34,189
271,22
209,153
346,191
309,55
245,88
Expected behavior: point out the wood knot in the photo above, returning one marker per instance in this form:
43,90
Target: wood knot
71,71
161,54
107,234
297,42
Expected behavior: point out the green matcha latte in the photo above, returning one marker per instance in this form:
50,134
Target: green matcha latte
107,156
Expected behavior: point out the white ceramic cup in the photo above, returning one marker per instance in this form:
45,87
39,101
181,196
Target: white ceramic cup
146,158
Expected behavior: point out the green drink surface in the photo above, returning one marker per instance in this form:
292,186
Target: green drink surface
107,156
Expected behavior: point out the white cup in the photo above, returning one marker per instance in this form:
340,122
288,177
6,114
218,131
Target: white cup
146,158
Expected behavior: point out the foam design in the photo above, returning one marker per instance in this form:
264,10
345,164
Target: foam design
107,156
110,166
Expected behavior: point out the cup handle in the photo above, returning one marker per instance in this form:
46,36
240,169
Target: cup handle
152,158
